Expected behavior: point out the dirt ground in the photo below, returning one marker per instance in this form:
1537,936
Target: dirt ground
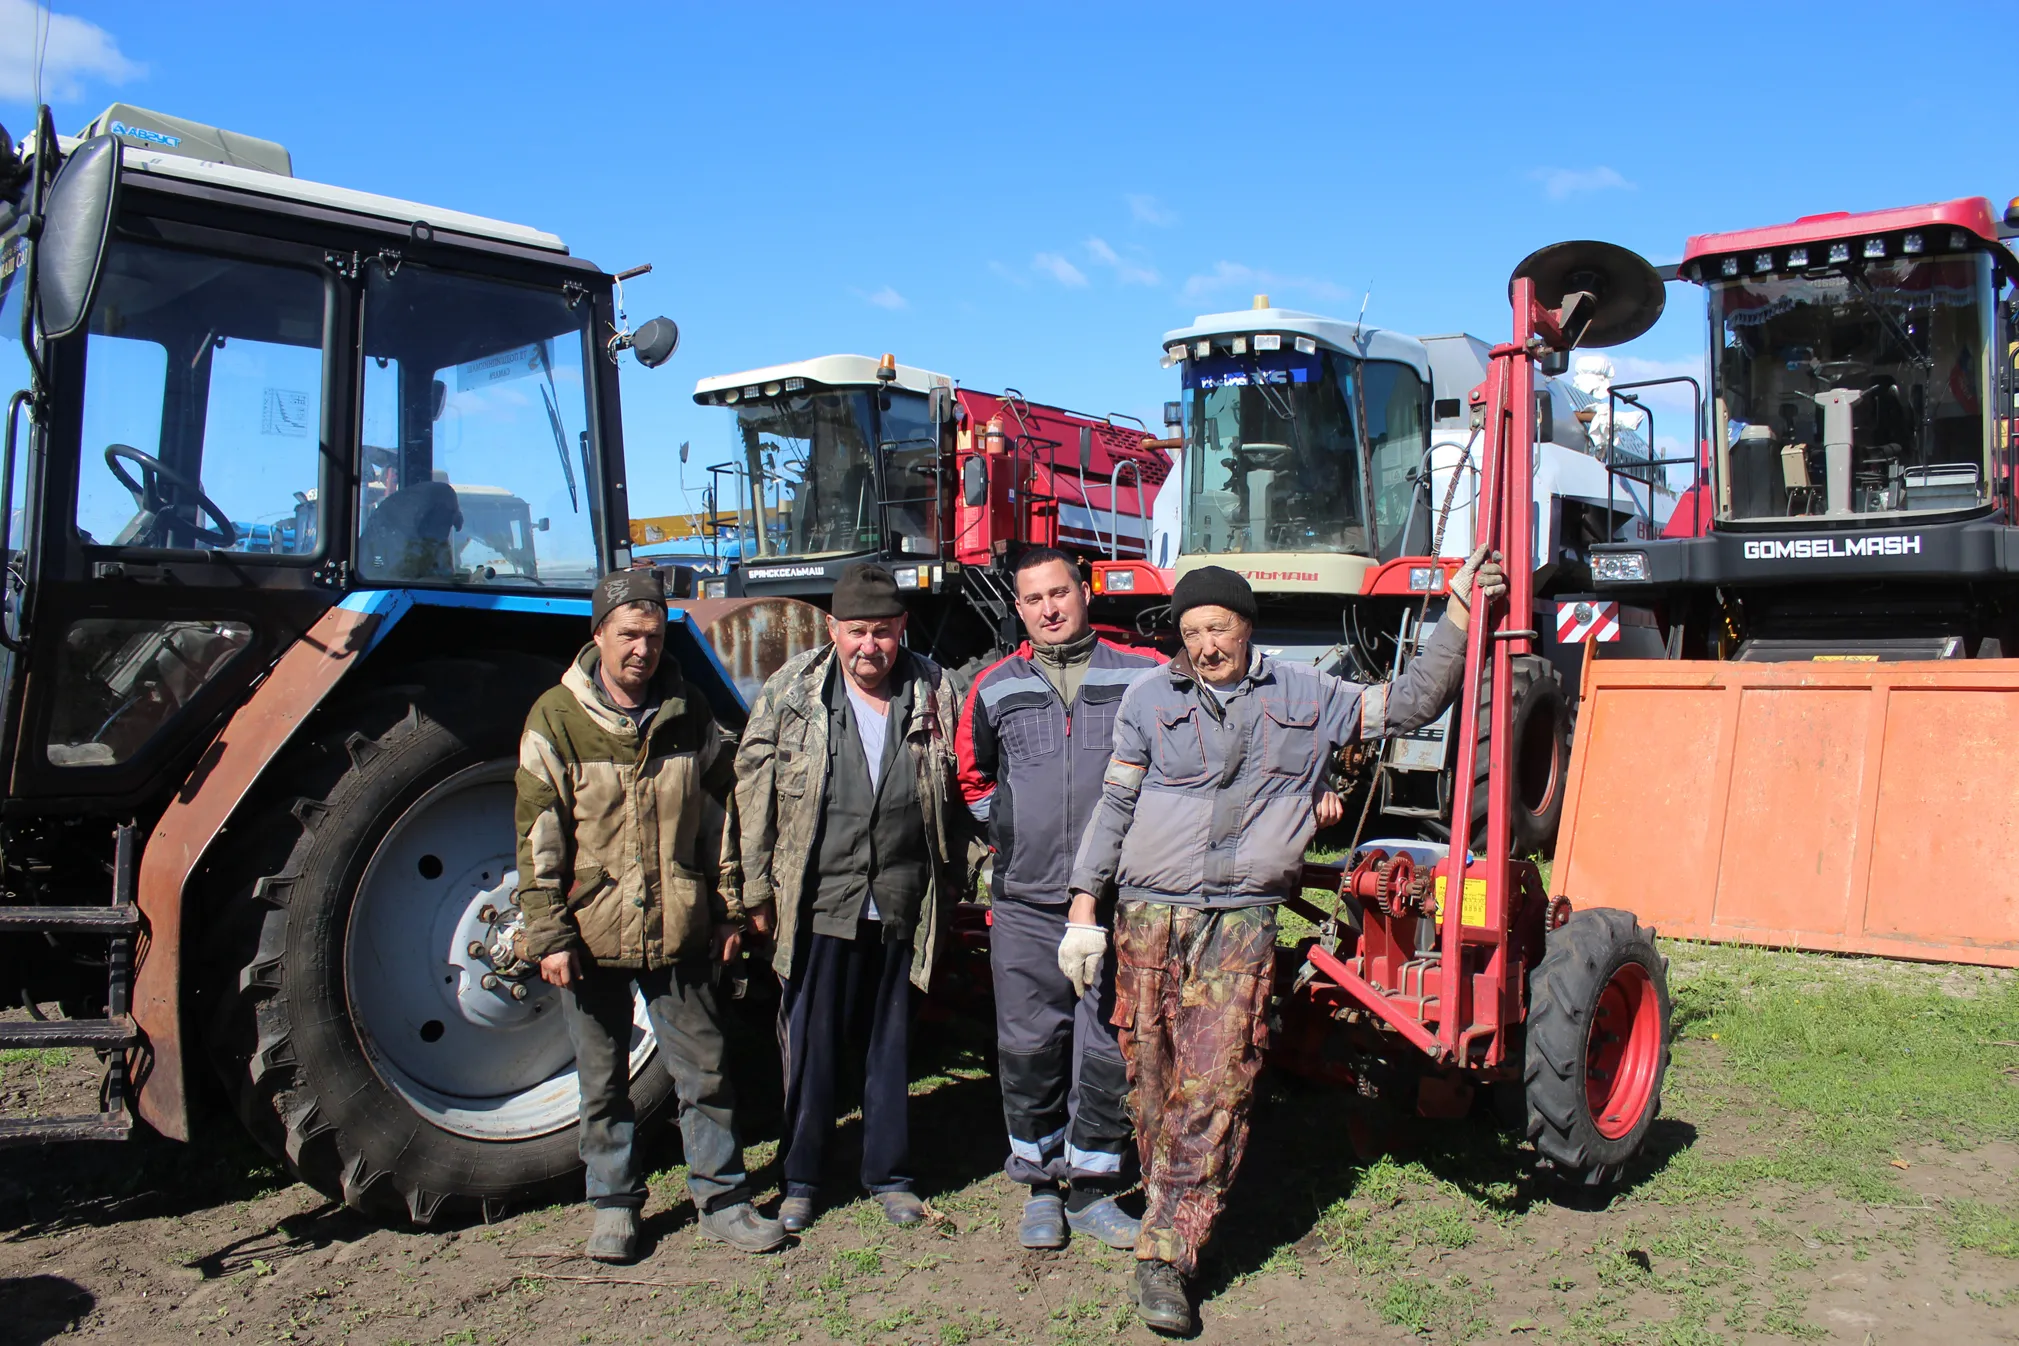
1725,1231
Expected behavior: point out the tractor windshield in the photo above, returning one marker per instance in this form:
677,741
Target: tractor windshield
808,466
1862,390
1272,462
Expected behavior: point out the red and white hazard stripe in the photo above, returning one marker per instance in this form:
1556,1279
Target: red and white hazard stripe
1586,620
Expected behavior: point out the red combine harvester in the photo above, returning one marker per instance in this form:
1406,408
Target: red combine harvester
1453,969
842,459
1828,727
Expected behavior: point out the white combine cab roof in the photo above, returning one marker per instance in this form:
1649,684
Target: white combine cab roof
826,371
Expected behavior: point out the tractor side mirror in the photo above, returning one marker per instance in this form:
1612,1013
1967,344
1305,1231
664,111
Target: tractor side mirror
1086,449
654,342
76,230
543,525
939,405
974,483
683,450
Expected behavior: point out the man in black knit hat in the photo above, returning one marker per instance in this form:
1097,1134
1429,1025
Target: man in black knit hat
844,791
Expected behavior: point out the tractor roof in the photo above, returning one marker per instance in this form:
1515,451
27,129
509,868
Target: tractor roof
829,371
1972,214
1368,343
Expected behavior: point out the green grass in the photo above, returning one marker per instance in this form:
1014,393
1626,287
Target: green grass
1858,1060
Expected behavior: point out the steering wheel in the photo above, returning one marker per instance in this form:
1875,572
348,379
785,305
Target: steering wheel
153,505
1841,373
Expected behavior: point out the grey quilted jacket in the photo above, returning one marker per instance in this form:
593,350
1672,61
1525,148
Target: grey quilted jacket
1208,802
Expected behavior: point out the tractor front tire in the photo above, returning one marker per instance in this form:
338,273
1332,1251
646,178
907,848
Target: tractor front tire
354,1039
1598,1044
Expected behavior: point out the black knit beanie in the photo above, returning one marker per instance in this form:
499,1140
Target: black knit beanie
1212,586
619,587
864,593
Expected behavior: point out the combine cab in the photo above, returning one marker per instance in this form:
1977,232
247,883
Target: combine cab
844,459
1825,738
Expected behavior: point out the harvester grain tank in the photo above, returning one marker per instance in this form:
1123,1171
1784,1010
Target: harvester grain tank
1829,731
269,767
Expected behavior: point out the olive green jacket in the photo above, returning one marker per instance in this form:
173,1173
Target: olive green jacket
781,788
621,837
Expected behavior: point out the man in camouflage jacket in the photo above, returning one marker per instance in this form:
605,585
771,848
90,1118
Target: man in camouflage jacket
623,800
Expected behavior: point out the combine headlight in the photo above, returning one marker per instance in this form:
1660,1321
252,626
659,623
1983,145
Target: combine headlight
1730,266
1269,341
1875,247
1840,252
1763,262
1620,567
1910,244
906,577
1798,257
1121,581
1426,579
1305,346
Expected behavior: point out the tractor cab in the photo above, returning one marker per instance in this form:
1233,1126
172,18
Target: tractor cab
1856,362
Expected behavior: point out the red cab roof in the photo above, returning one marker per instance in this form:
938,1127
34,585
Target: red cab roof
1971,212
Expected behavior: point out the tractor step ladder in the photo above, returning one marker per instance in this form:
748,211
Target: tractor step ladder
115,1033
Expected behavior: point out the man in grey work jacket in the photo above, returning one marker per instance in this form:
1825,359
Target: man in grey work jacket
1206,811
1033,742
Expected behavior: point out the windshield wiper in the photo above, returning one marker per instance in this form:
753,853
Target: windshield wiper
1888,319
551,400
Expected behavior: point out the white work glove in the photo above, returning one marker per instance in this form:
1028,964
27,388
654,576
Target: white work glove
1080,954
1481,572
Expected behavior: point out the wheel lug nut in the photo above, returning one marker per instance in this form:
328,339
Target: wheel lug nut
477,948
519,991
487,914
490,981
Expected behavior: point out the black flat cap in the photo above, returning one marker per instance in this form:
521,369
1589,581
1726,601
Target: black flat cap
1213,586
865,593
619,587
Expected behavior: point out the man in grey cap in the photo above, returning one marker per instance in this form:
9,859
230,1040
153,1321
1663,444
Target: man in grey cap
623,785
1207,805
844,791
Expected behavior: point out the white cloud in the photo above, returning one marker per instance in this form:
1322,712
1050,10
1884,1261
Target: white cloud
1127,271
1059,269
885,298
1148,210
1234,275
74,52
1561,183
1022,282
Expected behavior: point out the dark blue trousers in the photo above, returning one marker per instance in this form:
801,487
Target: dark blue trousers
848,1009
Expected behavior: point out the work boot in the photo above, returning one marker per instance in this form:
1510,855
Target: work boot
1161,1298
742,1228
1044,1221
1106,1221
901,1208
615,1237
795,1213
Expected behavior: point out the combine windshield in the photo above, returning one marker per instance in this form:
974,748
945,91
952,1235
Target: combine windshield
1865,391
1272,461
809,472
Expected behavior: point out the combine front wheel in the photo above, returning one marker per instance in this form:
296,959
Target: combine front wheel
1598,1043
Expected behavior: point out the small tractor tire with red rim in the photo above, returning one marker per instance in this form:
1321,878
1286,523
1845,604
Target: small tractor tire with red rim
1598,1044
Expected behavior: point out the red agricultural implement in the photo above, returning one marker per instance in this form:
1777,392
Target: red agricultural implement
1455,967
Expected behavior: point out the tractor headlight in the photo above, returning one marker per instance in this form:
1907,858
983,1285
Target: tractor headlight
1425,579
1620,567
906,577
1121,581
715,588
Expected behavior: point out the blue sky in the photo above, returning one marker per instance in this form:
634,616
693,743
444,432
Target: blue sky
1030,195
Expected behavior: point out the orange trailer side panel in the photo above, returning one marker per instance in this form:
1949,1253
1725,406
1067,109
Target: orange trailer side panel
1851,808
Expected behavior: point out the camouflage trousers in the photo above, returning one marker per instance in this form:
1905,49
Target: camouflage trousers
1191,995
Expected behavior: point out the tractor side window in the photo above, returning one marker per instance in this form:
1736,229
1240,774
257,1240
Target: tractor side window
1396,440
202,405
120,679
477,465
13,379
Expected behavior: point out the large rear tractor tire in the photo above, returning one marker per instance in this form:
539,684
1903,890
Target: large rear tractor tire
362,1039
1598,1044
1540,730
